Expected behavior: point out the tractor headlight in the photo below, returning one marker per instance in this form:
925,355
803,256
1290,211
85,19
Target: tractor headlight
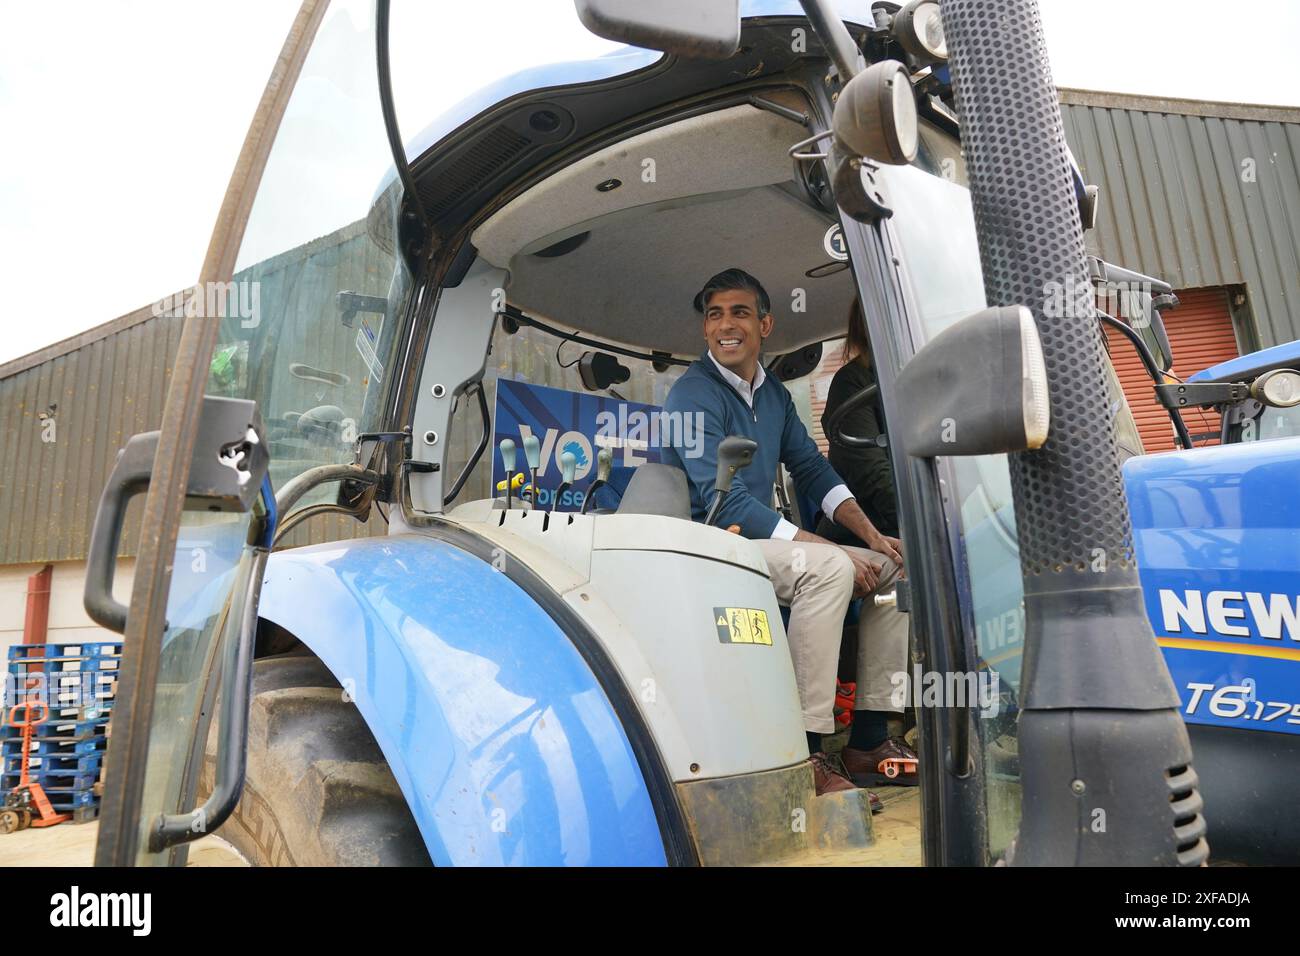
1279,388
920,30
875,114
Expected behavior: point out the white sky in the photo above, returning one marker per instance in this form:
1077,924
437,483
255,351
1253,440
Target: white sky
122,119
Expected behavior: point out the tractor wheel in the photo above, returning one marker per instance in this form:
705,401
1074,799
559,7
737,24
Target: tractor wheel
317,791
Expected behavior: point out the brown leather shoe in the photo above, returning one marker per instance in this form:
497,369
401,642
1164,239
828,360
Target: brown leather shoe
893,764
828,775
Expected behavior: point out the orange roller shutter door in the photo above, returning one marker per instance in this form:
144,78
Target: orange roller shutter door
1201,334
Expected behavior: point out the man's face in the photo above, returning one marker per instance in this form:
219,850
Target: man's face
735,331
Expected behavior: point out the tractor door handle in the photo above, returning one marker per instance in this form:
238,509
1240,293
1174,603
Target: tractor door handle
130,477
226,471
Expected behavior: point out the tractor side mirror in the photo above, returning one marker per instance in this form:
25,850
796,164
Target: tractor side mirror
1165,351
977,388
699,29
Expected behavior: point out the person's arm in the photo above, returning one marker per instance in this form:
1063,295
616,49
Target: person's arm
815,478
811,473
867,471
850,515
740,507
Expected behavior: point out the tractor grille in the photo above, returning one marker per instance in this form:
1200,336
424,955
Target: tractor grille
443,188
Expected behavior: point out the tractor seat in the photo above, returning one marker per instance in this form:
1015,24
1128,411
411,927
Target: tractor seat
656,489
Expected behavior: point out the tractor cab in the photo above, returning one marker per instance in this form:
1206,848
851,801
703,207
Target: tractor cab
564,318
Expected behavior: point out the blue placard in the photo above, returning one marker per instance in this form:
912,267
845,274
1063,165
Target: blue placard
575,422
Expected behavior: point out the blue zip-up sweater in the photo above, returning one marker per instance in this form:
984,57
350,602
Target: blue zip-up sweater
773,423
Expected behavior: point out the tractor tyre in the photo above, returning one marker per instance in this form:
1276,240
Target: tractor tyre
317,790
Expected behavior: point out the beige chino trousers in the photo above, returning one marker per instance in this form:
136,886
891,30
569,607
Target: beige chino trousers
816,582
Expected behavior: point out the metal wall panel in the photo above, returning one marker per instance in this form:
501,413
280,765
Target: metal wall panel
1198,194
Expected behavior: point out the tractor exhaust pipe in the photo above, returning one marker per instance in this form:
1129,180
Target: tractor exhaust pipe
1106,762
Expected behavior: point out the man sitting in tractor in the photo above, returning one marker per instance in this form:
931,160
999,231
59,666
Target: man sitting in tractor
729,391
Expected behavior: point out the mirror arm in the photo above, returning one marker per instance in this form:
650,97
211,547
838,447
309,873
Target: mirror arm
1149,363
835,36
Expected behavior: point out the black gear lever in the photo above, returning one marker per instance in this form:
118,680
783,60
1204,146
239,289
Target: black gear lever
734,453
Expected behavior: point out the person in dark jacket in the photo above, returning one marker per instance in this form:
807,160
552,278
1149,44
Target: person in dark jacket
728,391
866,471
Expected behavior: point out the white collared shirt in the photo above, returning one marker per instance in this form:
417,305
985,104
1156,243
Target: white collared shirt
784,530
743,388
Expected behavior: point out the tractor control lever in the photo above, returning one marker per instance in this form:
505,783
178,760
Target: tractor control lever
604,465
533,455
734,453
568,468
508,460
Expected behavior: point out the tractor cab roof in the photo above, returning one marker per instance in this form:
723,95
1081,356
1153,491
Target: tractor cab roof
1246,368
610,189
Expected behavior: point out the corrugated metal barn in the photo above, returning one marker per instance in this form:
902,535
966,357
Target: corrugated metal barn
1203,195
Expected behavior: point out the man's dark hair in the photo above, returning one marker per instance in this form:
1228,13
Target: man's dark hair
733,280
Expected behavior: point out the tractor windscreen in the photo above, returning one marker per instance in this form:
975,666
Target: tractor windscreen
319,287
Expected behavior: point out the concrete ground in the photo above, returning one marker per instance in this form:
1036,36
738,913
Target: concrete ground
897,830
70,844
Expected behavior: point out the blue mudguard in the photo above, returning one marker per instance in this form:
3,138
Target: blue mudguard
503,742
1217,532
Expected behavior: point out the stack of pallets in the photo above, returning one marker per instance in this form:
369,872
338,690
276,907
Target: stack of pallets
78,682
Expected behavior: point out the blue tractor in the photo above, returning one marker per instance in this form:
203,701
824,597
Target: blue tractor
510,675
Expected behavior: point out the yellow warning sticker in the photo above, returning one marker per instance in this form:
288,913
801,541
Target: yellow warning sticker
742,625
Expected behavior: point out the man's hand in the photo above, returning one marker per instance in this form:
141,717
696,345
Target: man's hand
866,574
849,515
891,548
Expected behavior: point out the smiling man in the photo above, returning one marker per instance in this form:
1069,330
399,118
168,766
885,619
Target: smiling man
728,389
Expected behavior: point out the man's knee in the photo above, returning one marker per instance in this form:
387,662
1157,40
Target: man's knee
888,569
827,565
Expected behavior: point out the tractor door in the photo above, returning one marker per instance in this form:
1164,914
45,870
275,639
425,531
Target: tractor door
287,358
